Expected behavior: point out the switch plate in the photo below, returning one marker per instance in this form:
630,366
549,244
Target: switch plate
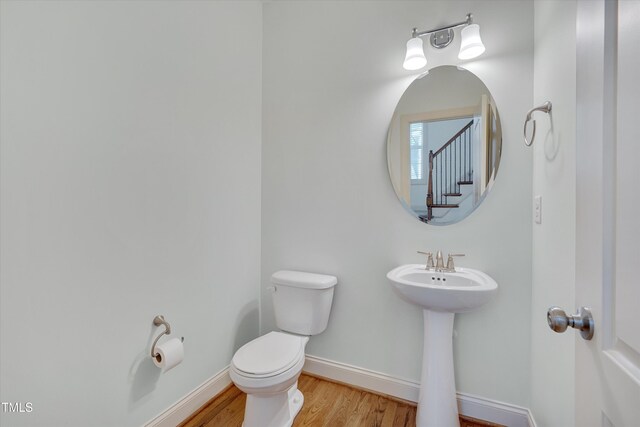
537,209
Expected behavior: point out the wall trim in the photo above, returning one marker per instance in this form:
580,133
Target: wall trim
468,405
193,401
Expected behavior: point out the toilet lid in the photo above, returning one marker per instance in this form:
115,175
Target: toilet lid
272,353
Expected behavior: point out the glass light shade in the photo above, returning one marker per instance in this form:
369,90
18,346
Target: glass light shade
471,44
415,58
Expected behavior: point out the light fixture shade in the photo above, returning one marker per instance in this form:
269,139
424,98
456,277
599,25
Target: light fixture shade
471,44
415,58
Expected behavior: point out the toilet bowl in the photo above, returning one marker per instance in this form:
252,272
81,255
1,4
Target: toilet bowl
267,368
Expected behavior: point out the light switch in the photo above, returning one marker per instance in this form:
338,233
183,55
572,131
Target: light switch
537,209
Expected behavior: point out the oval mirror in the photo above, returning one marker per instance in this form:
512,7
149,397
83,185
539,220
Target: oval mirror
444,145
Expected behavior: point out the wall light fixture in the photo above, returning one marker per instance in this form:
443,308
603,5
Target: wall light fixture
470,45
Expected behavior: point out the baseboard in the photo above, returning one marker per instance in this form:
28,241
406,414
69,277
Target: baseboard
468,405
494,411
189,404
362,378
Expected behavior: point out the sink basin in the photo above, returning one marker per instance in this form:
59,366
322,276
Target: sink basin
441,295
459,292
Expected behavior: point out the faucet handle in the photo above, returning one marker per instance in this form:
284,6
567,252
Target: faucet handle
450,265
429,263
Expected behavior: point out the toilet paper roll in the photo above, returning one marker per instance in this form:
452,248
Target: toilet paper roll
169,354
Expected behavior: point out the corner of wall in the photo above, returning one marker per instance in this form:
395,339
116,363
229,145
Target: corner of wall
554,171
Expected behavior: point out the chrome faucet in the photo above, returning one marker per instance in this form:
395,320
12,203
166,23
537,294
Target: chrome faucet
439,262
439,265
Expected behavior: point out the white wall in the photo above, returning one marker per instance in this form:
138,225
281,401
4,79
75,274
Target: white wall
130,188
332,76
439,132
121,197
554,171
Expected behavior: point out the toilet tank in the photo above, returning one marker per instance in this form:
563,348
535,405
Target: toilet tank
302,301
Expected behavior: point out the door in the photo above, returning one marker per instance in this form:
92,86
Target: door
608,212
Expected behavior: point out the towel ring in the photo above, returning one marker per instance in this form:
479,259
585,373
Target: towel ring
545,108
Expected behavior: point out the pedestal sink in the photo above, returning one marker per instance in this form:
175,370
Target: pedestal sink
441,295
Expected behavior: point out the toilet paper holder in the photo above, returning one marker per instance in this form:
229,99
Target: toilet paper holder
159,320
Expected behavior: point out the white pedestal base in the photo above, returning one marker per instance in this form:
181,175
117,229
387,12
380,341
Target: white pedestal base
273,410
437,404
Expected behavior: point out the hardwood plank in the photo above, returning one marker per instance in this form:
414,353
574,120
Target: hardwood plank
319,403
389,414
357,413
411,421
377,410
402,416
312,399
326,404
474,422
340,408
212,408
231,416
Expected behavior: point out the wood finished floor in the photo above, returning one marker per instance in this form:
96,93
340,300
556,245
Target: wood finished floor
326,404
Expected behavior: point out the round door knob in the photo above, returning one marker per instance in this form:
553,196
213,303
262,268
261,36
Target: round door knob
557,319
583,321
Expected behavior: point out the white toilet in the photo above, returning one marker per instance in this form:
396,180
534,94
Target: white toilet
267,368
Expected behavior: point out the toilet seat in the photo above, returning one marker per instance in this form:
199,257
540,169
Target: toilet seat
269,355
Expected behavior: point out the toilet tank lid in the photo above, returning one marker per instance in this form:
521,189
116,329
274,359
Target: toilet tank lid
303,280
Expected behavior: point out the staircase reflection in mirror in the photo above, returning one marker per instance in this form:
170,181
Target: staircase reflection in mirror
444,145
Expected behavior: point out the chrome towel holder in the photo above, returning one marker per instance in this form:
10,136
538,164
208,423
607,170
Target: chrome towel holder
159,320
545,108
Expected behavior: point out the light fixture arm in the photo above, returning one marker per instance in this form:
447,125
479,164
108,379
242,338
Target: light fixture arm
471,45
467,21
